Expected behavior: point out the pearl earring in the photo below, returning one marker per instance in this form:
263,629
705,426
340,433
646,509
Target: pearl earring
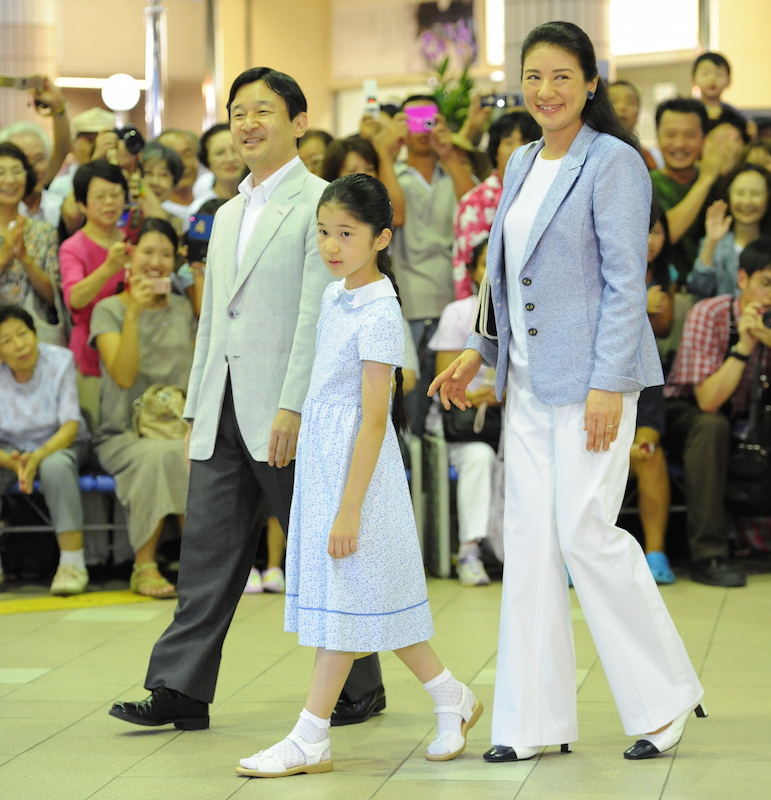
590,95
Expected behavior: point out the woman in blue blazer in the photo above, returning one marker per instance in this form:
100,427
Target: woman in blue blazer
566,267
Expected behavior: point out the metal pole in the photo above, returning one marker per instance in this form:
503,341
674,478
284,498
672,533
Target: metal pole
211,79
704,25
155,67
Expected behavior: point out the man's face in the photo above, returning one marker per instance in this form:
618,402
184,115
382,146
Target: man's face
264,136
185,149
680,139
418,144
625,105
33,148
755,288
711,79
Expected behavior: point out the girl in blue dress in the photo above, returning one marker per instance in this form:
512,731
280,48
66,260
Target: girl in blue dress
355,581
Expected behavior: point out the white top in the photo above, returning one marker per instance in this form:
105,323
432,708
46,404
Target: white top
256,197
516,231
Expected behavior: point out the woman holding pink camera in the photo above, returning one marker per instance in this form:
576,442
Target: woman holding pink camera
144,336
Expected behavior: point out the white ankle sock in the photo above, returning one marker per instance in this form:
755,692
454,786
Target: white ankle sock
309,727
468,549
447,691
76,557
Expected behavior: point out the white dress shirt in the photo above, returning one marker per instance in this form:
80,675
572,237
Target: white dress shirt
256,197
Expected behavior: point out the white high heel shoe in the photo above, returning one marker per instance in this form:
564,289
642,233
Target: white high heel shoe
654,743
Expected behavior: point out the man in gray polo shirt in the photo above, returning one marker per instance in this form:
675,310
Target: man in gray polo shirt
433,180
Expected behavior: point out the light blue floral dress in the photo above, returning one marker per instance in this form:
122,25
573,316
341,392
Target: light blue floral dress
375,599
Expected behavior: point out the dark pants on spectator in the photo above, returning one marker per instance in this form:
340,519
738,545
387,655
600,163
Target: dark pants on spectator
227,492
417,401
702,441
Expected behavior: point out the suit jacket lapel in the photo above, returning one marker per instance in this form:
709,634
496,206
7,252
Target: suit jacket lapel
273,214
569,171
228,236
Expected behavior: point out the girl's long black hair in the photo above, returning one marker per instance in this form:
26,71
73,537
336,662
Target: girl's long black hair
660,265
366,200
598,113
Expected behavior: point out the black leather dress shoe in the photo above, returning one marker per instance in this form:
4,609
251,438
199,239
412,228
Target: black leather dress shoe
717,572
499,753
165,707
351,713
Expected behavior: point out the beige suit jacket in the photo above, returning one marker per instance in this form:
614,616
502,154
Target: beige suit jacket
258,319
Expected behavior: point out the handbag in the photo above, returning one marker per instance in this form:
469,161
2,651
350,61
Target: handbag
459,425
53,323
158,413
484,316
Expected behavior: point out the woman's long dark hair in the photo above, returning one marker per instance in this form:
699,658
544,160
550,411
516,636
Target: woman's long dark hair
366,200
660,265
598,113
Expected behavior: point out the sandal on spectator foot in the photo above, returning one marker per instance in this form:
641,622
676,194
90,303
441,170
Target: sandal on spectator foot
149,585
269,764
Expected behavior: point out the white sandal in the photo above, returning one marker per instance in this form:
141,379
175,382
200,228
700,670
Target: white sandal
452,741
268,765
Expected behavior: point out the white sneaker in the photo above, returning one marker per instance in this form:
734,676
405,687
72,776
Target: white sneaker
273,580
68,580
253,582
471,571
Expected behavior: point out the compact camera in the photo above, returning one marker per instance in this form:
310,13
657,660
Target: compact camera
132,138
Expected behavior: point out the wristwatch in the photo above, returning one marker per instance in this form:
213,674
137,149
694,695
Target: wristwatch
734,353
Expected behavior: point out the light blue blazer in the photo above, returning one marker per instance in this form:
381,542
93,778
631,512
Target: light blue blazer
582,277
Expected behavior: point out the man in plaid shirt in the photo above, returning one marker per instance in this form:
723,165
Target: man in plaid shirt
708,389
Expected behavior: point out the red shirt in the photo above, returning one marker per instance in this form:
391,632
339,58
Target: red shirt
703,349
79,256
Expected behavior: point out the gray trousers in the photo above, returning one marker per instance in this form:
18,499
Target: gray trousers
227,493
702,440
58,476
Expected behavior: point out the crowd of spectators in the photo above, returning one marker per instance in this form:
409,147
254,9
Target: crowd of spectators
99,253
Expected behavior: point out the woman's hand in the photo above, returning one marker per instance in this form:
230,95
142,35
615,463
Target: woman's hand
344,534
13,239
717,222
602,418
117,256
453,381
142,293
26,470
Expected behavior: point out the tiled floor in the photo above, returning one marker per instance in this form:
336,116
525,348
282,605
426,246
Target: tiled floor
61,670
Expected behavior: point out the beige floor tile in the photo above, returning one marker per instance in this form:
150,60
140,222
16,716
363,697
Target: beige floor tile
41,709
448,790
190,787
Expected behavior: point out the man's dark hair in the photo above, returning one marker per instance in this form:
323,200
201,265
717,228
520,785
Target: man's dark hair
716,59
730,117
628,86
504,126
419,98
10,150
756,256
683,105
278,82
17,312
101,168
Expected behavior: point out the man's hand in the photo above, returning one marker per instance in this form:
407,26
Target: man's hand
283,438
344,534
712,157
751,328
106,146
453,381
440,138
602,418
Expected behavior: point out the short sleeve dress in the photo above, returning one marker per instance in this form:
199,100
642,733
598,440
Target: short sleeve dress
374,599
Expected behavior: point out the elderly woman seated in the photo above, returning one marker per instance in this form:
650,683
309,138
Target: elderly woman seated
42,435
144,336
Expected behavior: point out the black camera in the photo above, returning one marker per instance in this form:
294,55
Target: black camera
132,138
767,318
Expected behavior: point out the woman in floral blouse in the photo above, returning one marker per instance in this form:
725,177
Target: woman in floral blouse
28,248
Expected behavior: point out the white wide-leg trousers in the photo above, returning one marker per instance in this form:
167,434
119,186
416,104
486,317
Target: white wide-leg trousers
562,503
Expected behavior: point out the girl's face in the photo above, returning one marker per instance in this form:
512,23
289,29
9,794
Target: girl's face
656,239
554,88
348,247
13,181
480,267
18,346
104,202
152,257
355,164
157,175
748,198
223,159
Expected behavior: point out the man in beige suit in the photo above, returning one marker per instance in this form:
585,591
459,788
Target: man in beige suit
251,372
